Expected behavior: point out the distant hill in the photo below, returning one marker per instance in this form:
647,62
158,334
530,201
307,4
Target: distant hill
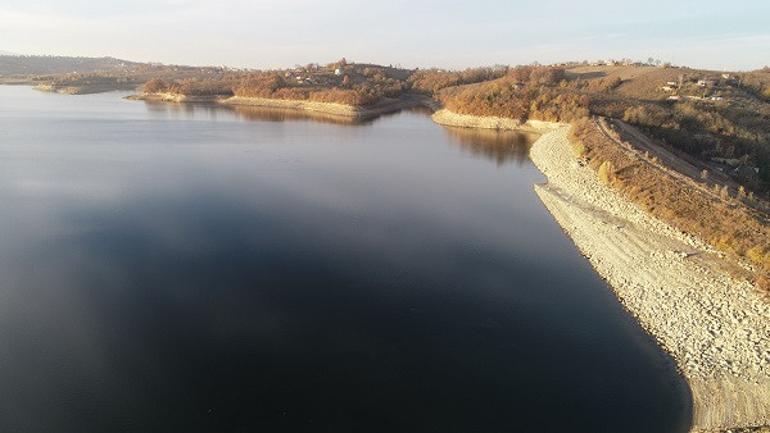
40,65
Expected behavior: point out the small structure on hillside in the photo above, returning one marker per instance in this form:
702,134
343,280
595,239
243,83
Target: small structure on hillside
338,72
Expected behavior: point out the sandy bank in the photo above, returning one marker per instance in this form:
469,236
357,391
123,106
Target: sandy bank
715,327
449,118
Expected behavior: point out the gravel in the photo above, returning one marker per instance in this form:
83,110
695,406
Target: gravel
716,328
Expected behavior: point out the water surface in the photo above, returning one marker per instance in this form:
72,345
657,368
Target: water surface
178,268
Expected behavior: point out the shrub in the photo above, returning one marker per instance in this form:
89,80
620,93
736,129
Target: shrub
156,85
606,172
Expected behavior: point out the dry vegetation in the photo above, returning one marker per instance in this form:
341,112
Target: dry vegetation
719,218
714,117
523,93
185,78
431,81
340,82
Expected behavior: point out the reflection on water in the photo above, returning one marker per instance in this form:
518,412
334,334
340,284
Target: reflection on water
286,114
500,146
188,268
247,112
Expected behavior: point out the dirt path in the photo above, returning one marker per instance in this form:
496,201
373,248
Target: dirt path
682,167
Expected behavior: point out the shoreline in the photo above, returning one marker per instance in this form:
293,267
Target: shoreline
81,90
386,106
446,117
715,327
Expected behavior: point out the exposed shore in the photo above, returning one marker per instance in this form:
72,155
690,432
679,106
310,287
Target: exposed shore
715,327
82,90
449,118
387,105
173,97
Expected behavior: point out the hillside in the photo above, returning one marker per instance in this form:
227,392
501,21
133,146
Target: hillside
356,85
39,65
719,118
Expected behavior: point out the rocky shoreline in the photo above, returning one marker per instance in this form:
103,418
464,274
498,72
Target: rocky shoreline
715,327
448,118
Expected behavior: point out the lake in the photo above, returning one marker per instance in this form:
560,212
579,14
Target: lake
183,268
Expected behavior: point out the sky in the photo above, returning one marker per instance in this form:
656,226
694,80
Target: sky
721,35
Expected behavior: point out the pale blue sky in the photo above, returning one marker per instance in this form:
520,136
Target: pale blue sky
447,33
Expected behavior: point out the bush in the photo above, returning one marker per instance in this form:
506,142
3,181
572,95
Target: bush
156,85
606,172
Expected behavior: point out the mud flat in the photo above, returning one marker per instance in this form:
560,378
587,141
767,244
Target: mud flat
449,118
716,328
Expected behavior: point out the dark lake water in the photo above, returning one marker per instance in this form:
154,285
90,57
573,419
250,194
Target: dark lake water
171,268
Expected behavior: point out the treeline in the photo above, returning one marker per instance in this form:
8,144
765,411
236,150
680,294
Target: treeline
757,82
274,86
192,86
431,81
339,82
44,65
525,92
